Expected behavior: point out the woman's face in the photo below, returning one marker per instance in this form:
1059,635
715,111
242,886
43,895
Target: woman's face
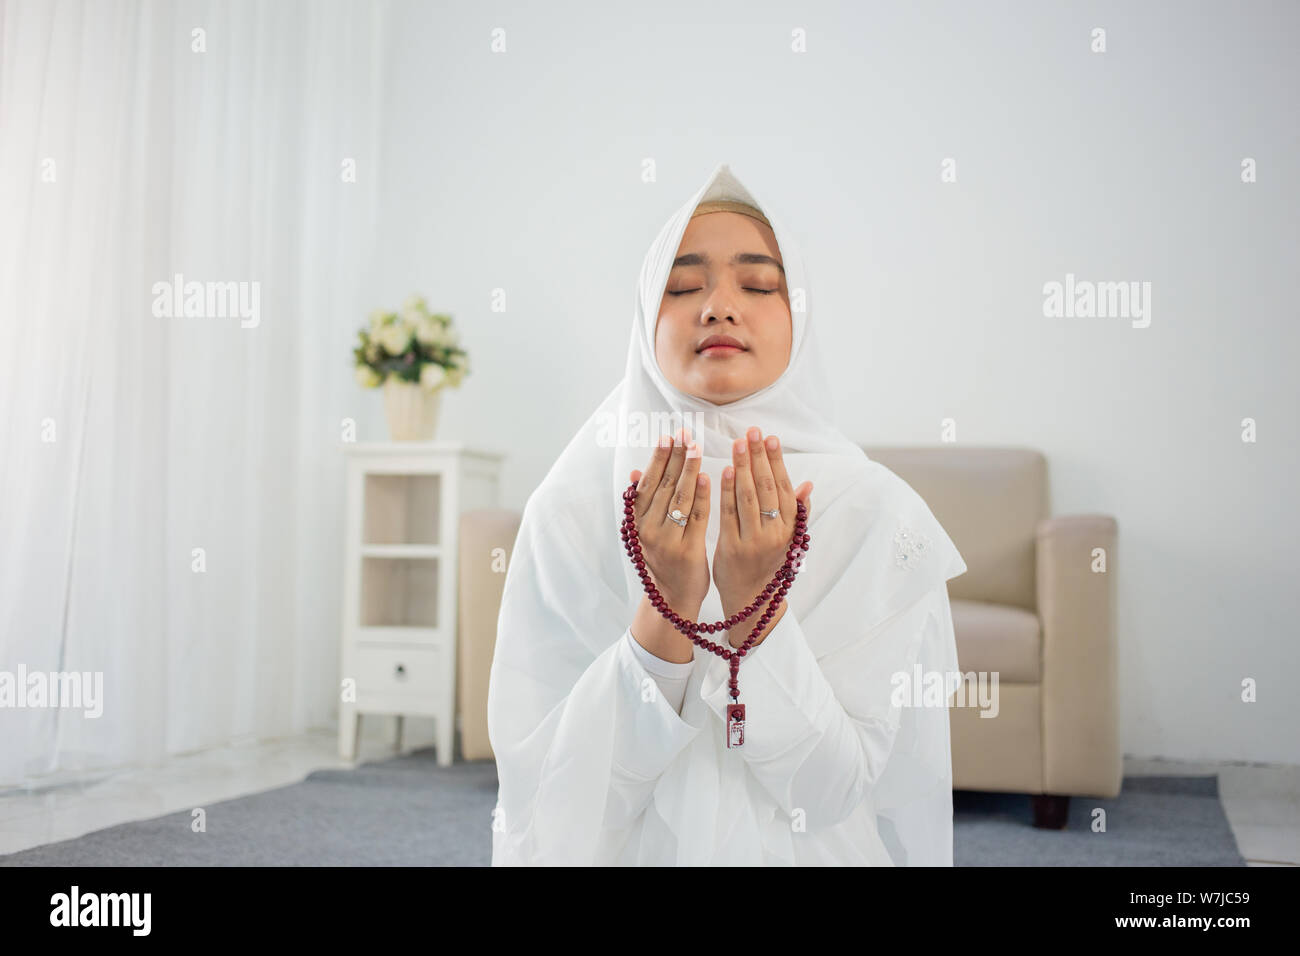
727,280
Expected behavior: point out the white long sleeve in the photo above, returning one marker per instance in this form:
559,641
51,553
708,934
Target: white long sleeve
581,739
649,731
670,676
807,750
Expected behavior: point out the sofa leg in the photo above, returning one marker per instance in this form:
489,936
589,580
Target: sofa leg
1050,811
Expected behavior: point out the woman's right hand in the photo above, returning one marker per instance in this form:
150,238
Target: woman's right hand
675,556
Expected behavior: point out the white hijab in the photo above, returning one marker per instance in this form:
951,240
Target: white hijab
570,592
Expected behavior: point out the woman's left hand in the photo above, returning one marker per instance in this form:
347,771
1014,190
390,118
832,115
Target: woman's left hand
751,548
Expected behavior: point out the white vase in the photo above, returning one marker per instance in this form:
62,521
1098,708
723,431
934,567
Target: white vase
412,410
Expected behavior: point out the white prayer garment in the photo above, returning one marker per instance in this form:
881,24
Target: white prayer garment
596,761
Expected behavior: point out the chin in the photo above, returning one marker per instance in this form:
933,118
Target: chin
721,393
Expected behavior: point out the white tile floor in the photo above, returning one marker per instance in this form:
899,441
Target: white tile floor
1262,801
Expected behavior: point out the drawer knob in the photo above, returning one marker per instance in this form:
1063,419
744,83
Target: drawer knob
401,670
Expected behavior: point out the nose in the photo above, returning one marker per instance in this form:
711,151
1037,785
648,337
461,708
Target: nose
719,308
722,302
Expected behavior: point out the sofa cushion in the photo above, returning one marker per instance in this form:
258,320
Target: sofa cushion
998,637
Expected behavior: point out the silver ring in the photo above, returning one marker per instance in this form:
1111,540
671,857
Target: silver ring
775,512
677,518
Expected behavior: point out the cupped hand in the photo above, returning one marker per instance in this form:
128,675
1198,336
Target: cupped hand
751,547
675,556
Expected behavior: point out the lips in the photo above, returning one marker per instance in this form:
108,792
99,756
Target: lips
721,344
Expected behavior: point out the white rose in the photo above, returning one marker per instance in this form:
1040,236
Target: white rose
395,338
429,332
413,303
367,377
432,376
376,318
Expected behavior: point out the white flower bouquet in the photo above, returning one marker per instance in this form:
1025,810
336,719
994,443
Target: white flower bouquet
413,345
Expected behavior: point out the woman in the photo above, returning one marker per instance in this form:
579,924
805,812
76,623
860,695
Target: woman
608,724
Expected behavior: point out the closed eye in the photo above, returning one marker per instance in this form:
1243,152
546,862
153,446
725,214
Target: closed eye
759,291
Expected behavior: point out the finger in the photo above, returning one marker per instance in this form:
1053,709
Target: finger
653,475
729,522
699,520
667,487
764,483
804,493
746,496
784,489
683,498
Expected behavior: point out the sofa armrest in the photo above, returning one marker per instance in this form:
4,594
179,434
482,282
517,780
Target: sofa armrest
1080,686
487,540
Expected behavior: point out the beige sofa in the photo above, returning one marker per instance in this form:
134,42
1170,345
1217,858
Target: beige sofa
1030,607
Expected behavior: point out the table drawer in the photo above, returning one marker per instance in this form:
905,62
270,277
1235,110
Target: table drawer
415,672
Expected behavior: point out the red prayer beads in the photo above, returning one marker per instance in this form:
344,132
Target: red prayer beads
776,591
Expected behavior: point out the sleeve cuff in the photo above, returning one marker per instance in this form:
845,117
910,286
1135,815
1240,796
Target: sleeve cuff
657,665
671,676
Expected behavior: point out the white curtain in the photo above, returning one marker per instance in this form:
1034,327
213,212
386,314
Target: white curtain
141,141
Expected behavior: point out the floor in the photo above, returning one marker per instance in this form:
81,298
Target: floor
1262,801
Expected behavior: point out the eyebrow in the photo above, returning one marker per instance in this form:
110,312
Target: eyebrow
739,259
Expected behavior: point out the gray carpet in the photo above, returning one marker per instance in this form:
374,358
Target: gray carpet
408,811
1155,821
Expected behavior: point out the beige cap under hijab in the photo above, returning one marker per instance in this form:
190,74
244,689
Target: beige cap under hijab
729,205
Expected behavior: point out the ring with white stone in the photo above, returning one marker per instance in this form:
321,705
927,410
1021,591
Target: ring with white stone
677,518
775,512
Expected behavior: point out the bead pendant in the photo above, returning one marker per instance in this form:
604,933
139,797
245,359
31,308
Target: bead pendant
735,725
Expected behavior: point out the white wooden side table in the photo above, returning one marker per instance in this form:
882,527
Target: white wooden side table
404,501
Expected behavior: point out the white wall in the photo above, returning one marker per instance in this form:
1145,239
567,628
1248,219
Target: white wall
521,171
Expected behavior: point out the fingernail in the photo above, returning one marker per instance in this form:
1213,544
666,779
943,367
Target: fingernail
692,450
701,480
739,447
753,434
773,443
729,472
664,441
